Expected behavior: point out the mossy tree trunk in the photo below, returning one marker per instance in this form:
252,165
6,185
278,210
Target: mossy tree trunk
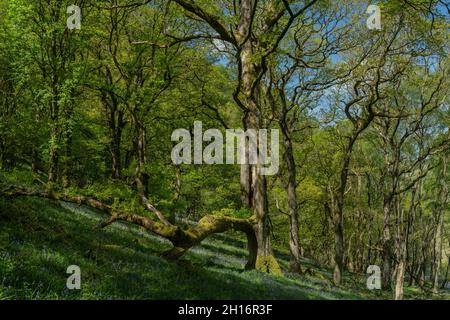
253,184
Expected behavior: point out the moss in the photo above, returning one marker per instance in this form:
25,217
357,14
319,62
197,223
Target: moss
166,231
268,264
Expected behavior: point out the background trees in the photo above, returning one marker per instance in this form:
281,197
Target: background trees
88,115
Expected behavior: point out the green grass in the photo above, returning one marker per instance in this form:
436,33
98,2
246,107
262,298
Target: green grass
39,239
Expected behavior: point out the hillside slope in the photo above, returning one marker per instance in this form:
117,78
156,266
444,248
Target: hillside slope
39,239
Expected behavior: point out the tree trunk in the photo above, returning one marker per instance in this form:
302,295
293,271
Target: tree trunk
140,173
115,147
54,111
338,216
253,184
439,227
53,157
115,158
114,116
438,253
401,246
444,282
68,163
265,260
34,160
116,125
399,279
246,186
387,250
339,248
294,242
54,140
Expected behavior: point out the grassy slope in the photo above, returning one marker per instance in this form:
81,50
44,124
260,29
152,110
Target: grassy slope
40,239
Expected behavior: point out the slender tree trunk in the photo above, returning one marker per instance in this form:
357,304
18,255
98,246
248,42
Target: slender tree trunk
68,139
294,244
115,159
142,158
265,260
246,172
339,248
294,241
54,109
68,163
387,246
246,181
422,272
444,282
53,157
401,244
439,227
389,201
34,160
338,216
176,187
400,277
54,140
35,151
438,253
114,116
116,140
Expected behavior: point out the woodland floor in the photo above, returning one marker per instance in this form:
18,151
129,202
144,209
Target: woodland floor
39,239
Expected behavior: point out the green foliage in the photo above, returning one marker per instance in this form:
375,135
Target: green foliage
242,213
78,101
268,264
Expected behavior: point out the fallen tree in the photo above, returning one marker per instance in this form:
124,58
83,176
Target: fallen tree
181,238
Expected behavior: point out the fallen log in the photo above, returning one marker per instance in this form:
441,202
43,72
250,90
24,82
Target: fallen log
181,239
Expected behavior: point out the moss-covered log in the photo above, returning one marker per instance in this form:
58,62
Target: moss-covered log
182,239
